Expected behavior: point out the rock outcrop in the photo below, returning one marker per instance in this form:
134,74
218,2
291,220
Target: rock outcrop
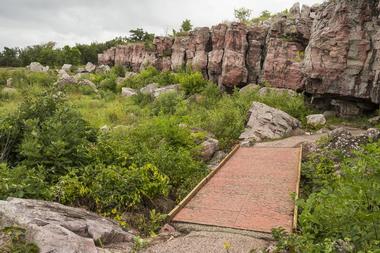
57,228
342,58
267,123
331,51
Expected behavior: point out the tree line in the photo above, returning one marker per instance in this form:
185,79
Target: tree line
49,54
80,54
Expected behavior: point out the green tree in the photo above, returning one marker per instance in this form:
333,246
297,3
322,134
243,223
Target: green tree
186,26
138,35
9,57
243,14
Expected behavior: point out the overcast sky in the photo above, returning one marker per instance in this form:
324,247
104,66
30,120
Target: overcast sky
28,22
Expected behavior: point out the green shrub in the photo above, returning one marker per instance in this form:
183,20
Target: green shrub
166,104
344,210
119,70
112,187
226,121
161,142
150,75
46,132
23,182
192,83
109,83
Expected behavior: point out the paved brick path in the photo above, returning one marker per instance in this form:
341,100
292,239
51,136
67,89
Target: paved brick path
251,191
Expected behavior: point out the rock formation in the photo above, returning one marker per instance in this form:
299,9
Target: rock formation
267,123
330,51
57,228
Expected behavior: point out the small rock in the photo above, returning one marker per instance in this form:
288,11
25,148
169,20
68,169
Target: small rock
316,120
247,143
167,229
103,69
249,87
374,120
164,90
130,74
128,92
9,82
217,157
86,82
149,89
90,67
105,129
67,67
209,147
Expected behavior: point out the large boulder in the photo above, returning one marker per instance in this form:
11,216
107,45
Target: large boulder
90,67
37,67
67,67
209,147
86,82
102,68
166,89
316,120
64,78
128,92
267,123
60,229
149,89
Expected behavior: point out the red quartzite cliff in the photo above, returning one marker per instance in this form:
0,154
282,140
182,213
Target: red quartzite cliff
331,51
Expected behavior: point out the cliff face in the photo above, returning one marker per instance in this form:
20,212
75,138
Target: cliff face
330,51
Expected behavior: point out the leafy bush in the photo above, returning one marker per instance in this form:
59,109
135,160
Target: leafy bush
148,76
109,83
192,83
119,70
161,142
166,104
344,211
112,187
23,182
45,132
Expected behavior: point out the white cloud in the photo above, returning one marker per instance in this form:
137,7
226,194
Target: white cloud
27,22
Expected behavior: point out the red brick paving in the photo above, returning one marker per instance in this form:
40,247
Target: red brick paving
251,191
